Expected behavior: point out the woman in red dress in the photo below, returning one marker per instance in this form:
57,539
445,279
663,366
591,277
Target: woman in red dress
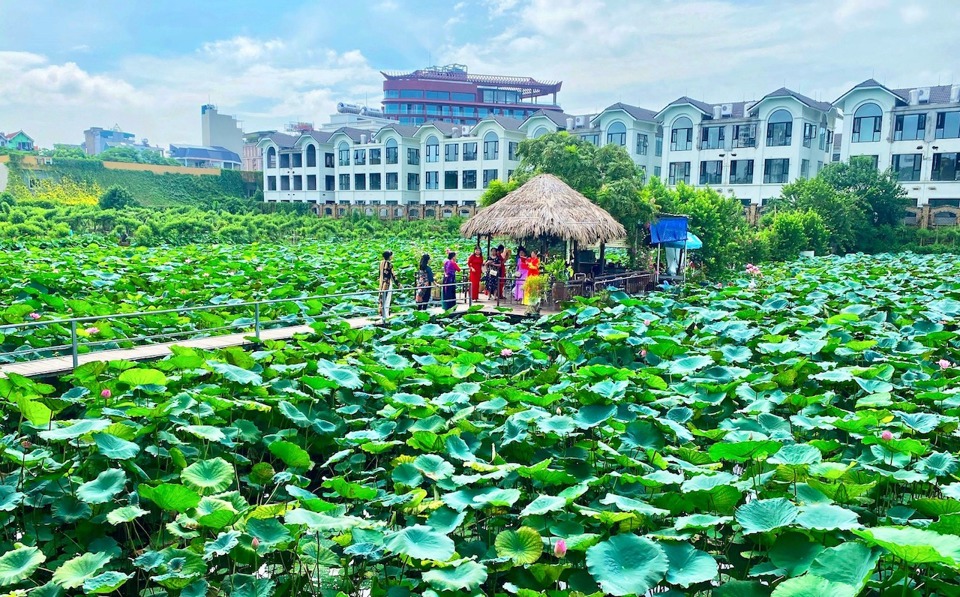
475,264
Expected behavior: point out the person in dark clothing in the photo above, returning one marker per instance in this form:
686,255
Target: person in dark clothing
424,283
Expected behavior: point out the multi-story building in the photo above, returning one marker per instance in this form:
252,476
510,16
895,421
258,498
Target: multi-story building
438,167
96,140
914,131
746,149
451,94
251,159
198,156
220,130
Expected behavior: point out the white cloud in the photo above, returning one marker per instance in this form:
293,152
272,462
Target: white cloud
913,14
241,48
499,7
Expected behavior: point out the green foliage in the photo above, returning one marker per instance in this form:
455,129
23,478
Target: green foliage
116,198
881,191
496,191
787,233
136,156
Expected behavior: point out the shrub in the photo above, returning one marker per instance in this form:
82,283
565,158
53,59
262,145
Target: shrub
117,198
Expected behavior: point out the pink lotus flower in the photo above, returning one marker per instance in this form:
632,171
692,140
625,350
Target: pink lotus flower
560,549
105,393
260,268
643,353
255,543
944,363
647,322
34,316
93,330
506,353
886,436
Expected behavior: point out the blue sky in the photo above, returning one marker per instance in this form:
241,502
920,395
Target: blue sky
148,66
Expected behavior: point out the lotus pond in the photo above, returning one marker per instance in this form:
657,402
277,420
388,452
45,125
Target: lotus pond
791,434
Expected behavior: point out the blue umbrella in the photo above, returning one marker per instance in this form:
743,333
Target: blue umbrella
693,242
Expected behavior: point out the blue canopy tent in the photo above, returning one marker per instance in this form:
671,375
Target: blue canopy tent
671,233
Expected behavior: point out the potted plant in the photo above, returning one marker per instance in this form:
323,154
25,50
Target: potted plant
557,272
534,289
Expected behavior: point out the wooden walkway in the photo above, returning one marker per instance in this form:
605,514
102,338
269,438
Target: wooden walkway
60,365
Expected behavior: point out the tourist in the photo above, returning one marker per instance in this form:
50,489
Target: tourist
450,269
424,283
521,274
533,264
502,270
387,279
493,272
475,266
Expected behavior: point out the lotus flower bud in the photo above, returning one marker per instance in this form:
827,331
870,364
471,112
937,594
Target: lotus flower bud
105,393
560,549
944,363
255,543
886,435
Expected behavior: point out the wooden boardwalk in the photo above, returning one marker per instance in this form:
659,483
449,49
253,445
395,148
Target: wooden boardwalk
60,365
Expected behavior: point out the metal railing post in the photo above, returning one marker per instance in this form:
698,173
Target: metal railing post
256,320
74,344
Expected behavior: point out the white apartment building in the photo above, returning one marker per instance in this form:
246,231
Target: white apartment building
440,166
914,131
746,149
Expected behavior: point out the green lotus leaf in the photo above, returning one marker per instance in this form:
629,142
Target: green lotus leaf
19,564
744,450
543,504
170,496
760,516
344,377
222,545
851,563
245,585
104,583
9,498
688,365
208,476
433,467
236,374
626,504
627,564
420,542
102,489
75,430
214,513
125,514
76,571
797,455
445,520
114,447
688,566
465,576
916,546
322,522
291,454
812,586
143,377
523,546
827,517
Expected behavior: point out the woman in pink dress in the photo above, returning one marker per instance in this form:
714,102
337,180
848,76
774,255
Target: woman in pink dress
521,274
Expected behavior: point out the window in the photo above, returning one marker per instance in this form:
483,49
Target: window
512,150
643,144
491,146
945,166
311,156
776,171
411,93
450,179
656,171
866,124
469,179
745,135
658,147
271,183
489,176
360,182
298,183
360,157
711,172
393,153
741,172
679,172
328,160
617,134
374,157
592,139
393,181
909,127
780,129
297,160
329,182
451,152
439,95
413,156
873,160
433,150
907,166
413,181
711,137
311,182
376,181
819,168
391,93
344,182
344,151
469,152
541,131
948,125
681,135
463,97
271,158
433,180
809,134
804,168
284,183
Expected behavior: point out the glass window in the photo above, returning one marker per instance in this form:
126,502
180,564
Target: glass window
491,146
809,134
711,137
469,152
512,150
804,168
393,180
328,183
745,135
360,182
440,95
413,181
741,172
360,157
656,171
375,157
681,135
541,131
679,172
450,179
344,182
776,171
592,139
433,180
375,181
469,179
643,144
311,182
411,93
298,183
271,183
907,166
284,183
617,134
867,121
413,156
344,151
284,160
391,93
945,166
328,160
489,176
271,158
392,151
873,160
311,156
780,129
463,97
298,160
432,149
451,152
823,135
909,127
948,125
658,148
711,172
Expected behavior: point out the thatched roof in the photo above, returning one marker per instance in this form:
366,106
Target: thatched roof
545,206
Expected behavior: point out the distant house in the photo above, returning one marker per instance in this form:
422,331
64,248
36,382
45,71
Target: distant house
18,140
198,156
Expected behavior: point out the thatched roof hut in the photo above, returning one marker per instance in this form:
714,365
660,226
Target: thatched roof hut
545,207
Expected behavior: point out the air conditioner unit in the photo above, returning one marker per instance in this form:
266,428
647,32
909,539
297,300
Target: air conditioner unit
954,94
455,133
581,121
726,110
465,130
923,95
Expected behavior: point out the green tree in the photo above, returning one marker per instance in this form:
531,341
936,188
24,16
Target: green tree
119,154
881,191
496,191
117,198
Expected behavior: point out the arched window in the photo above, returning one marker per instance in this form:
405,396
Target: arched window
433,149
311,156
681,134
344,152
617,134
541,131
271,157
491,146
780,129
393,153
867,121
